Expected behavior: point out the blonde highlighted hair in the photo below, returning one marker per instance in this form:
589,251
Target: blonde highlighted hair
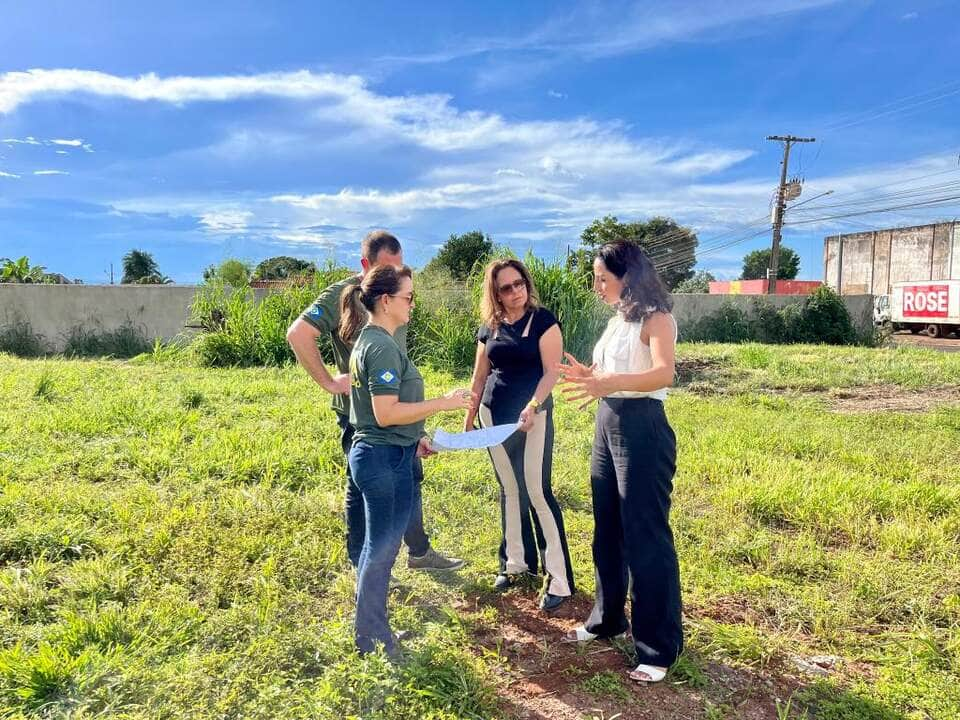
491,309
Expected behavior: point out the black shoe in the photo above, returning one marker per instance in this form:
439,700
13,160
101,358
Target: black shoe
505,581
549,603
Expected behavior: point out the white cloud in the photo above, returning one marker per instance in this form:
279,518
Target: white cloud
8,175
306,238
581,146
910,16
598,30
30,140
50,172
557,95
25,141
552,166
225,221
508,172
707,162
61,152
17,88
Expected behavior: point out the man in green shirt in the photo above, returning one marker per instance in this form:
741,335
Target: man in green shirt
323,316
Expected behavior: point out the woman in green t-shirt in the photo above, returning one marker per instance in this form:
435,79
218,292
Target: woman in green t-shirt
387,409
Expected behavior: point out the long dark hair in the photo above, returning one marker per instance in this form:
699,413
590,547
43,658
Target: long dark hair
379,281
643,291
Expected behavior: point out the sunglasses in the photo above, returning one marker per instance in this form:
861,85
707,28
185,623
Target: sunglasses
409,298
512,287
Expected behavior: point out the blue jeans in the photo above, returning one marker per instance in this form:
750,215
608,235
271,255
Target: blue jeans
415,537
384,476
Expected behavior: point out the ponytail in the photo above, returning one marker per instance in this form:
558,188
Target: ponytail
379,281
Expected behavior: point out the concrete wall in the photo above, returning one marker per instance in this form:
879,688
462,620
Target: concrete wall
162,311
53,311
871,262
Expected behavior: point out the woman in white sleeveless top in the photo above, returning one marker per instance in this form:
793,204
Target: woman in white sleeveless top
633,462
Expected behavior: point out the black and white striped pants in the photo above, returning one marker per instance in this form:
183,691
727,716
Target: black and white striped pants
531,521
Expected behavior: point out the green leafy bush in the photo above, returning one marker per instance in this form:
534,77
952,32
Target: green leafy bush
727,324
242,332
767,324
820,318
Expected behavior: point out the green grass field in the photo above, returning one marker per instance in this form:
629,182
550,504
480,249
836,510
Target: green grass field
171,547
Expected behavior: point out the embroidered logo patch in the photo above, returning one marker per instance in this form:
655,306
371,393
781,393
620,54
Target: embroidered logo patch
316,311
388,376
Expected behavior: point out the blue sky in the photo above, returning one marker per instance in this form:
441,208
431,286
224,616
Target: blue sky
205,131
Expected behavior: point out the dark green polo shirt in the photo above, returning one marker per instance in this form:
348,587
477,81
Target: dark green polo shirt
379,367
324,315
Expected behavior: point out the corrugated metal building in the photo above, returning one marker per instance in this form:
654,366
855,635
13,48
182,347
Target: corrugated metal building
870,262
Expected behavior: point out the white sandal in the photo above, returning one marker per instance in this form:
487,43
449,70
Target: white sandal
579,634
654,674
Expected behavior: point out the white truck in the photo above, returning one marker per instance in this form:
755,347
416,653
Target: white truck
931,306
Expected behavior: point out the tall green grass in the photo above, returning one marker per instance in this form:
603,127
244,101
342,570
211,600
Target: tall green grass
171,545
444,324
240,331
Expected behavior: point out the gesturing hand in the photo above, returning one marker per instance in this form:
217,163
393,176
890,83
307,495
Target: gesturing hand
587,388
573,368
581,382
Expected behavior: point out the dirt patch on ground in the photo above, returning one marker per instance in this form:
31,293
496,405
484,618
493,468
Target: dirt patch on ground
707,378
699,370
873,398
543,678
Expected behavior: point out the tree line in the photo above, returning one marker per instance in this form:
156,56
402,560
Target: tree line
671,246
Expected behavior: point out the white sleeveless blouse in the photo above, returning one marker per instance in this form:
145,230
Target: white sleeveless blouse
620,350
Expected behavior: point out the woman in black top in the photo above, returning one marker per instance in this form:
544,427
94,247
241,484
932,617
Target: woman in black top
519,346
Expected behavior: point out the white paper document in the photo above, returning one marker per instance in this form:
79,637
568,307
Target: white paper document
473,439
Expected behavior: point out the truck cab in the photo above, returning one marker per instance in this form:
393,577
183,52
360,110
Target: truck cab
881,310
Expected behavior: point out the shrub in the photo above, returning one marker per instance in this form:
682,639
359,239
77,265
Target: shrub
820,318
124,342
728,324
18,338
767,324
241,332
823,318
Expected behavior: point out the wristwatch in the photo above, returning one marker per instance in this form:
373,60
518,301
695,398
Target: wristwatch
536,405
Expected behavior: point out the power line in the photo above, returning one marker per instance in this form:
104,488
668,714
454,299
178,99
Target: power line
893,107
933,202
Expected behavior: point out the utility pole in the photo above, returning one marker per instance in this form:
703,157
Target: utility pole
787,141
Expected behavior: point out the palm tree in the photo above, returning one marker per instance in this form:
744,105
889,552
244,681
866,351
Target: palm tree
138,264
20,271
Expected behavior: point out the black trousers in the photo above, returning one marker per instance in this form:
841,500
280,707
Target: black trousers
631,475
415,537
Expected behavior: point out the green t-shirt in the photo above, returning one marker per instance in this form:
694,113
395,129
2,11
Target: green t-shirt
379,367
324,315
